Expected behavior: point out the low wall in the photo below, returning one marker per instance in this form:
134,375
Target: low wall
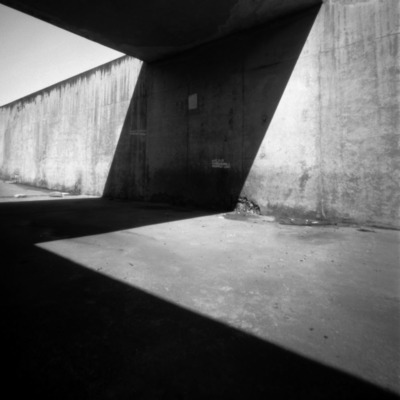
64,137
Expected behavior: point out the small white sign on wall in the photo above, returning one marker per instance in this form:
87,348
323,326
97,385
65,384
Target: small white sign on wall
138,132
220,163
192,101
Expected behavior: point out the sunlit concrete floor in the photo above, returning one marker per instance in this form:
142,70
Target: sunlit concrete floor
109,299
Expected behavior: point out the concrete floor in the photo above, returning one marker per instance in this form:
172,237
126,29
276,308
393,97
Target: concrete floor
11,191
117,300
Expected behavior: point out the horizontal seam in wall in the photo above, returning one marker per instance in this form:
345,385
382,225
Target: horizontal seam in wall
360,41
92,108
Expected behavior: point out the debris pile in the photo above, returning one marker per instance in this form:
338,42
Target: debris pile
303,221
246,206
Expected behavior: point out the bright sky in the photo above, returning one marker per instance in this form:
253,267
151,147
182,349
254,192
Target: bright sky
35,54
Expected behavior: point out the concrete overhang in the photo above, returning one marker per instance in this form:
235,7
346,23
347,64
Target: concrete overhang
154,29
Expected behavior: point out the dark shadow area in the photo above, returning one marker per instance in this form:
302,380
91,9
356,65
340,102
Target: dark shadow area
202,156
154,29
41,221
127,177
72,333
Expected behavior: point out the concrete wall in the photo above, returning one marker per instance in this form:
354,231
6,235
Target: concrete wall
64,137
301,117
128,177
203,155
333,144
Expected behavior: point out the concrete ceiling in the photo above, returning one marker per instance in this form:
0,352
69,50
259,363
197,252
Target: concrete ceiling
155,29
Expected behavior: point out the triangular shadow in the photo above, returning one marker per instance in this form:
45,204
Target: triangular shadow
203,156
74,333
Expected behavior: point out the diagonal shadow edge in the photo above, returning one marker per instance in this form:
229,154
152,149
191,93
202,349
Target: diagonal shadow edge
127,175
77,334
133,175
74,333
44,220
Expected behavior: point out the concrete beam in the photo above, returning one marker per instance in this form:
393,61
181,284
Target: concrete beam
154,29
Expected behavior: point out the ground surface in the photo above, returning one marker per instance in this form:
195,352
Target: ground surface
11,191
118,300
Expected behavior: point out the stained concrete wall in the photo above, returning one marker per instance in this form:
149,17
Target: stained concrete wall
64,137
333,144
301,117
204,154
128,175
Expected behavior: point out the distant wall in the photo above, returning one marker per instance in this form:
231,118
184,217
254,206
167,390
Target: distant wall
64,137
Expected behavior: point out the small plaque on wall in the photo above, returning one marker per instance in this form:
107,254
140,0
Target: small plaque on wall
192,101
138,132
220,163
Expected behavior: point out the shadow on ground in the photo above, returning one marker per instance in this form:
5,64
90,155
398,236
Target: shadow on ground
72,333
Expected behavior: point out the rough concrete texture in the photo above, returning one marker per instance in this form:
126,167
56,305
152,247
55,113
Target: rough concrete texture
300,117
298,122
333,143
64,137
109,299
127,177
204,154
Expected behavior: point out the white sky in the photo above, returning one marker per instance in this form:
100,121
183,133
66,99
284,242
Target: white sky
35,54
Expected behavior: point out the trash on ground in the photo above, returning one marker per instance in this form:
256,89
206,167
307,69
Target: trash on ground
366,230
246,206
269,218
56,194
303,221
18,196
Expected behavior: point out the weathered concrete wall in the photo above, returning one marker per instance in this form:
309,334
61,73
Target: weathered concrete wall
300,116
310,130
64,137
127,177
333,144
204,154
